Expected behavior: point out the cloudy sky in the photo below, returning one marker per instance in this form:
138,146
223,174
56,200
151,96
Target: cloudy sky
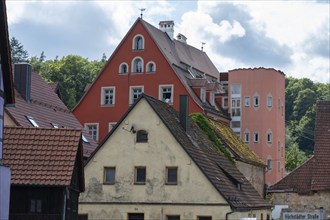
291,36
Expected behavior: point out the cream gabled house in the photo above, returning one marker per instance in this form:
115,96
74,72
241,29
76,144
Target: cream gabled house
158,164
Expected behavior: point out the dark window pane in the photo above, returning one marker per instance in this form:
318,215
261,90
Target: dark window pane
173,217
204,218
140,175
172,175
109,175
141,136
135,216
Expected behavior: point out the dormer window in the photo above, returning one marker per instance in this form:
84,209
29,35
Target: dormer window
138,42
32,121
151,67
123,68
137,65
141,136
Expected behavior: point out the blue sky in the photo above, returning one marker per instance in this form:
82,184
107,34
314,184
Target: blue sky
291,36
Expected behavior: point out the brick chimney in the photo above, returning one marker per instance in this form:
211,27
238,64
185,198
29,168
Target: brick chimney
22,80
184,112
167,27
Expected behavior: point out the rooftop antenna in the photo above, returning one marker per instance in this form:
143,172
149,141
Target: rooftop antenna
203,43
142,10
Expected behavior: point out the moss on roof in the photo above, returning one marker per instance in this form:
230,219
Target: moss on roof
235,143
206,127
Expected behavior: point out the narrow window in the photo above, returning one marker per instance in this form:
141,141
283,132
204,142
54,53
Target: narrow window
212,98
269,164
137,65
138,43
92,130
32,121
109,175
246,137
225,102
256,137
269,137
269,101
256,101
203,95
246,101
35,205
236,107
172,175
135,216
141,136
140,175
173,217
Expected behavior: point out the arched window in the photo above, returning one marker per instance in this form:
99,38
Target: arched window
138,42
123,68
137,65
151,67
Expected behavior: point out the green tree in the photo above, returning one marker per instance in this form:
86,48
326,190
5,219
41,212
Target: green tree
18,53
294,157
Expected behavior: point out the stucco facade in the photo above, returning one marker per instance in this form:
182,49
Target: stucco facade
191,197
256,103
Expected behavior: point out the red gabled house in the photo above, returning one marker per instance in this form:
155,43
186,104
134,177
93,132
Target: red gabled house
149,60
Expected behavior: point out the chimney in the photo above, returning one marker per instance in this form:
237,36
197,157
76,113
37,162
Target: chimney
184,111
167,27
22,80
181,38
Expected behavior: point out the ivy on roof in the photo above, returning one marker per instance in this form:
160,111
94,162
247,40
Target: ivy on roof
205,126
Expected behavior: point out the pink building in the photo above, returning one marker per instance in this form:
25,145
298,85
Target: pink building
256,102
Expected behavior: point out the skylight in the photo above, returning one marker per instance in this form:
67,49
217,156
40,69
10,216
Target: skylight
55,125
84,139
32,121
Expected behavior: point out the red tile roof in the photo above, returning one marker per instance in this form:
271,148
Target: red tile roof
314,174
40,156
45,107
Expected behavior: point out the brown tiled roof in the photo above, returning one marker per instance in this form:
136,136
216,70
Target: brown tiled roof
222,173
235,144
5,58
41,156
313,174
45,107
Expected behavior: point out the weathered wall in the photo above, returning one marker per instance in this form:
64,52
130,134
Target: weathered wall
304,203
159,212
254,174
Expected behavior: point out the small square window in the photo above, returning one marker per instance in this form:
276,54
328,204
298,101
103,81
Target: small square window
135,93
109,175
172,175
140,175
141,136
246,101
135,216
35,205
173,217
108,96
166,93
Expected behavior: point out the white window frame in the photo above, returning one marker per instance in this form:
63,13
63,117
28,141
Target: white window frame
212,98
32,121
269,137
246,137
133,70
103,95
203,94
86,125
120,68
111,125
256,134
105,175
147,67
236,107
269,101
225,100
131,88
269,164
134,46
160,92
256,101
247,101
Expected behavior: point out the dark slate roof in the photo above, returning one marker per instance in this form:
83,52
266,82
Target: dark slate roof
314,174
45,107
222,173
43,156
5,57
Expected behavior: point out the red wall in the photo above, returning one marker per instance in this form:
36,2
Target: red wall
89,110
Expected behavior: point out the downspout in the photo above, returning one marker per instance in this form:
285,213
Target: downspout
228,213
64,205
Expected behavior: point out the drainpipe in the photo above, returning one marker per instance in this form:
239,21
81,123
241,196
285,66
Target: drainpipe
64,204
228,213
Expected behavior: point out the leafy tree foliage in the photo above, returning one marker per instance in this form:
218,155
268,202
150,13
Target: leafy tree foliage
18,54
294,157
